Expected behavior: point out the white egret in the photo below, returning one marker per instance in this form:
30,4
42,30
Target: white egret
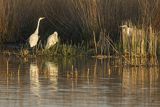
127,33
33,39
52,40
127,30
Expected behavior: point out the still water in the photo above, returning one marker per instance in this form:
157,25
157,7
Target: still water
79,82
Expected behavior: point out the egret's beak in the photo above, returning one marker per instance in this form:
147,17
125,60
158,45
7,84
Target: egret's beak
43,17
124,26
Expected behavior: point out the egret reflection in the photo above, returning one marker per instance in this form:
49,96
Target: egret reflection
34,79
51,72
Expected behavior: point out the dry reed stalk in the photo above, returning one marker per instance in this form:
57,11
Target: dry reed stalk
95,42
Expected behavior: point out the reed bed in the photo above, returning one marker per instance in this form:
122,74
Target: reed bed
141,42
76,21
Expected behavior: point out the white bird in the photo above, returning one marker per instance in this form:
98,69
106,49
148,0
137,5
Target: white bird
52,40
127,30
33,39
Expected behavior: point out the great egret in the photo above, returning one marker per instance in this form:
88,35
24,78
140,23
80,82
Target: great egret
52,40
126,30
33,39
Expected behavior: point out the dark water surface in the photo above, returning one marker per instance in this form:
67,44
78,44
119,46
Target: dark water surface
80,82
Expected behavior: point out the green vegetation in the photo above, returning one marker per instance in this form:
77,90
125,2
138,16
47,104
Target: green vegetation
66,50
58,50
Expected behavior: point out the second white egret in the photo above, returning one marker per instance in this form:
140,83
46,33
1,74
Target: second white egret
127,30
52,40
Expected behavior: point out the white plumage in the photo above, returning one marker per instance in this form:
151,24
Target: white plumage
127,30
33,39
52,40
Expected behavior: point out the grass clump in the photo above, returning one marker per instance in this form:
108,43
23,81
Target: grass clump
66,50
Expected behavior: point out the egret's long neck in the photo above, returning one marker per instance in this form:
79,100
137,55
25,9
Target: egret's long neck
37,29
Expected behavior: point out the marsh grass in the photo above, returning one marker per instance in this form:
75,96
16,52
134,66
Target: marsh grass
66,50
57,50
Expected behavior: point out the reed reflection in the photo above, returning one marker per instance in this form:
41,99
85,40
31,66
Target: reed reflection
8,71
140,83
115,83
139,77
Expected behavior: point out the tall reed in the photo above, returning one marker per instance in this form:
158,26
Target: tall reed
79,18
18,19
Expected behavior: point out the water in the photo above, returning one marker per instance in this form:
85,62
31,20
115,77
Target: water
80,82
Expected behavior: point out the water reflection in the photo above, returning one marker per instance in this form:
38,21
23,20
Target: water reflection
140,83
34,79
51,72
76,83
